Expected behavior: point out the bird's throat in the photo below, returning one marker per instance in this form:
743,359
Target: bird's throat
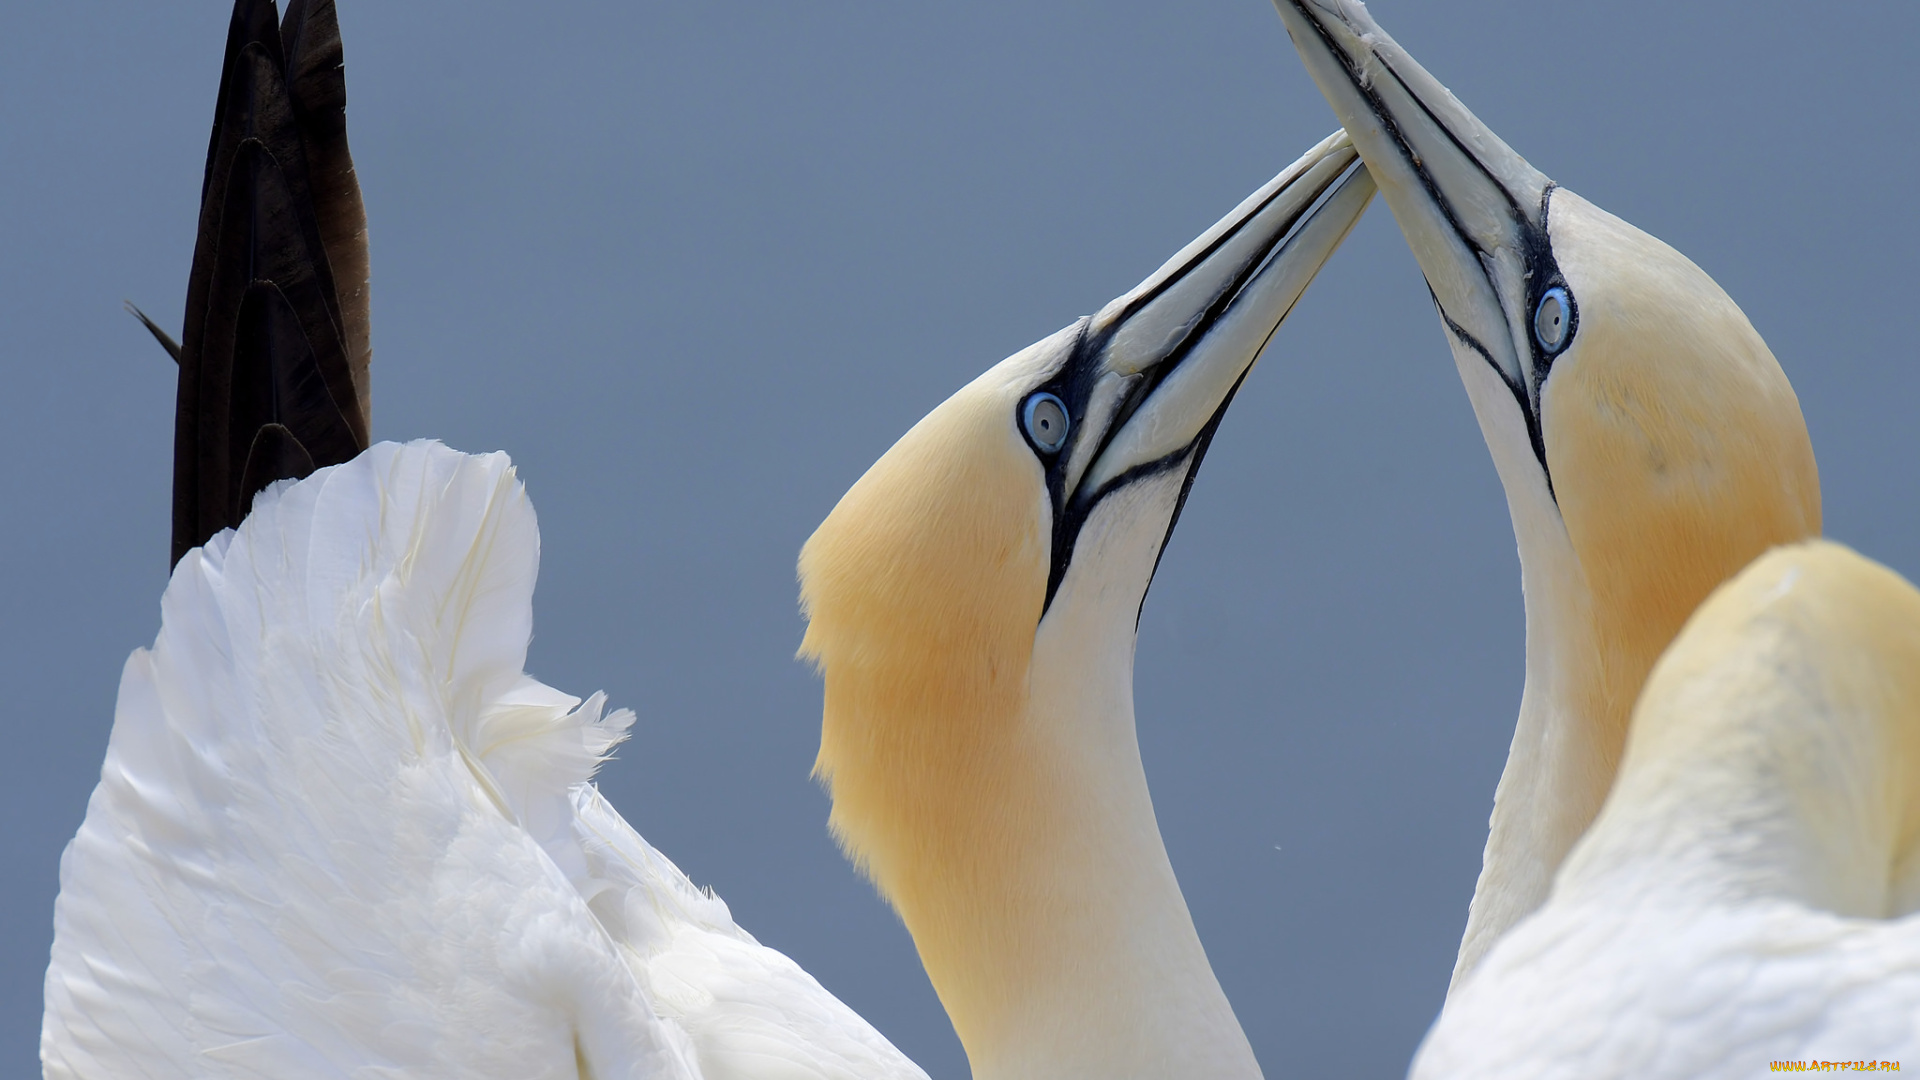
1566,742
1111,975
992,787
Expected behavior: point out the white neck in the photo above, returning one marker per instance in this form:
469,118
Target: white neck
1124,988
1564,752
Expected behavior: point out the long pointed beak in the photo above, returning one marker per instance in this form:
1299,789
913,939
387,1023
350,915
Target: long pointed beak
1161,363
1150,376
1473,211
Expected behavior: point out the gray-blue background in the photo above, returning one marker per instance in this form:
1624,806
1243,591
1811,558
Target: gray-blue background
697,265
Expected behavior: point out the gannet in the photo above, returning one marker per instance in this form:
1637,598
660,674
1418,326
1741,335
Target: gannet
340,831
1747,896
972,604
1648,441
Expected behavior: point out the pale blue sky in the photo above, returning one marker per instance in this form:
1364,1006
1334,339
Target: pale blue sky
696,266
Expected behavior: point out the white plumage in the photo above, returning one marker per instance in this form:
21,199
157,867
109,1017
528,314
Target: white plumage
1638,975
1748,893
339,832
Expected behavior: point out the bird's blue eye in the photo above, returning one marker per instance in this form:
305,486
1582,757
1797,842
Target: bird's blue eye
1552,319
1045,418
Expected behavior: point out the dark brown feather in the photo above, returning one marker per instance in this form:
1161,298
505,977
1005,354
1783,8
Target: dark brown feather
317,85
165,339
267,389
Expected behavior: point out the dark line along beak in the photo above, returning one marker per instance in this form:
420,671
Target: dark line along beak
1473,211
1153,372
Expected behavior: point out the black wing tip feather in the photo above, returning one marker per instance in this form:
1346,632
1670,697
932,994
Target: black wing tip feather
317,84
272,364
165,339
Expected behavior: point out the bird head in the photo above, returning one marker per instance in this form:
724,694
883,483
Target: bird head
1775,743
972,599
1637,419
1765,801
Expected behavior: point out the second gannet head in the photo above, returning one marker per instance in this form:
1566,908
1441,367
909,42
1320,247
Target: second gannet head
972,603
1649,444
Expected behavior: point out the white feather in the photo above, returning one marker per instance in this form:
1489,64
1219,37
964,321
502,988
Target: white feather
1739,900
340,833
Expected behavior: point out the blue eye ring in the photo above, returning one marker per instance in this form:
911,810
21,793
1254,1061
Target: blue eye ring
1553,319
1044,417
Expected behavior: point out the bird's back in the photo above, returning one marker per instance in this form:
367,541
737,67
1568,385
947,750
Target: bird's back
1748,893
